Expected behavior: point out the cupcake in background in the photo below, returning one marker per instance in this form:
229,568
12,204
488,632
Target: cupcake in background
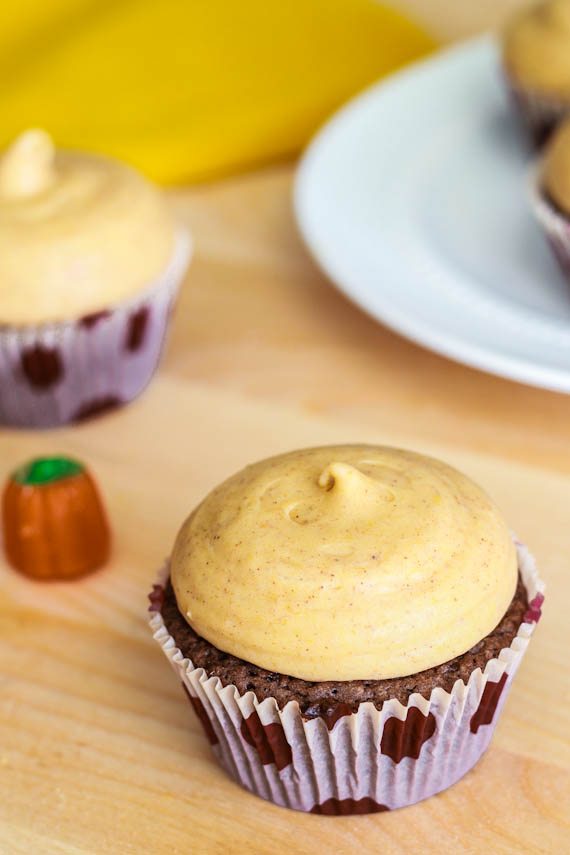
90,264
551,194
536,62
346,622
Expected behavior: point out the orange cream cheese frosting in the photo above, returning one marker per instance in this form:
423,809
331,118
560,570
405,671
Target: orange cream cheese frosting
556,168
536,47
78,232
345,562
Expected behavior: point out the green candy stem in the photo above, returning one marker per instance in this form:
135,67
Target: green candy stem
46,470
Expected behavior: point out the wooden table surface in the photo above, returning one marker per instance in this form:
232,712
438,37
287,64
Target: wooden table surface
99,752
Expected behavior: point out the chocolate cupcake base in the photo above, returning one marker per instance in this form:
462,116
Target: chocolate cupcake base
310,750
325,698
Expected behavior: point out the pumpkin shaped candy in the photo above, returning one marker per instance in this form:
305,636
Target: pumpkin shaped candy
54,522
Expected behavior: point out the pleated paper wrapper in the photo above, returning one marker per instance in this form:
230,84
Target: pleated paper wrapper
58,373
363,762
556,226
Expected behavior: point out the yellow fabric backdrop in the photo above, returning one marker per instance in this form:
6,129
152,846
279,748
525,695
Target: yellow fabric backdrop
187,89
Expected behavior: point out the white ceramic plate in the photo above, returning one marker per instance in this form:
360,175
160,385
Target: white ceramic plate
414,200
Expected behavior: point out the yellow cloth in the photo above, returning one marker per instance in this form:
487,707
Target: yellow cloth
187,89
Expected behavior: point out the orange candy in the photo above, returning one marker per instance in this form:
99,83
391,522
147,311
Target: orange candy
54,523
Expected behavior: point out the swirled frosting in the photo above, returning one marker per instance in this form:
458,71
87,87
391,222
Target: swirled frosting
536,47
556,168
78,232
345,562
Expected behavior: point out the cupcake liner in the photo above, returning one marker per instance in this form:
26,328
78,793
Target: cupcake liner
540,113
555,224
56,373
363,762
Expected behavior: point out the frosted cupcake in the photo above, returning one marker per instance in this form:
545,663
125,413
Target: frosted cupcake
551,194
346,623
536,59
90,263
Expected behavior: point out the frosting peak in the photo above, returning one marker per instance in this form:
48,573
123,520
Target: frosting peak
349,482
27,167
78,232
348,562
351,493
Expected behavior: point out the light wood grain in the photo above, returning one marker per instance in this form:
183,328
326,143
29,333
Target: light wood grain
258,318
99,751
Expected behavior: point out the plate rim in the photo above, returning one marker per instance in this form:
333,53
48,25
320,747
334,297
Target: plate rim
458,349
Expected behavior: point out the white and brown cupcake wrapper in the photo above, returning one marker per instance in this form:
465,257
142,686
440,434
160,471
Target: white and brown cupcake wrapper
556,225
368,761
540,113
57,373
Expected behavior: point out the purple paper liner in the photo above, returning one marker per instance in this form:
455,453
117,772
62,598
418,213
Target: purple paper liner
555,224
540,114
363,762
59,373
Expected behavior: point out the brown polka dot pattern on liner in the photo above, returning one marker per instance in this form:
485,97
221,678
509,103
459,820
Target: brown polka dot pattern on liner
89,321
405,738
269,741
331,715
96,408
488,704
203,717
42,366
346,807
136,329
534,611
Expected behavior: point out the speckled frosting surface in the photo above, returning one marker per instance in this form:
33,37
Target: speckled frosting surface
323,698
345,562
79,233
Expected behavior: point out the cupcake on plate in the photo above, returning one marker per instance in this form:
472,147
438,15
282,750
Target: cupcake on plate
346,622
90,264
550,185
536,61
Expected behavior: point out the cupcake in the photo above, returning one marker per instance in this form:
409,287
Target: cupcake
346,622
551,194
90,263
536,61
